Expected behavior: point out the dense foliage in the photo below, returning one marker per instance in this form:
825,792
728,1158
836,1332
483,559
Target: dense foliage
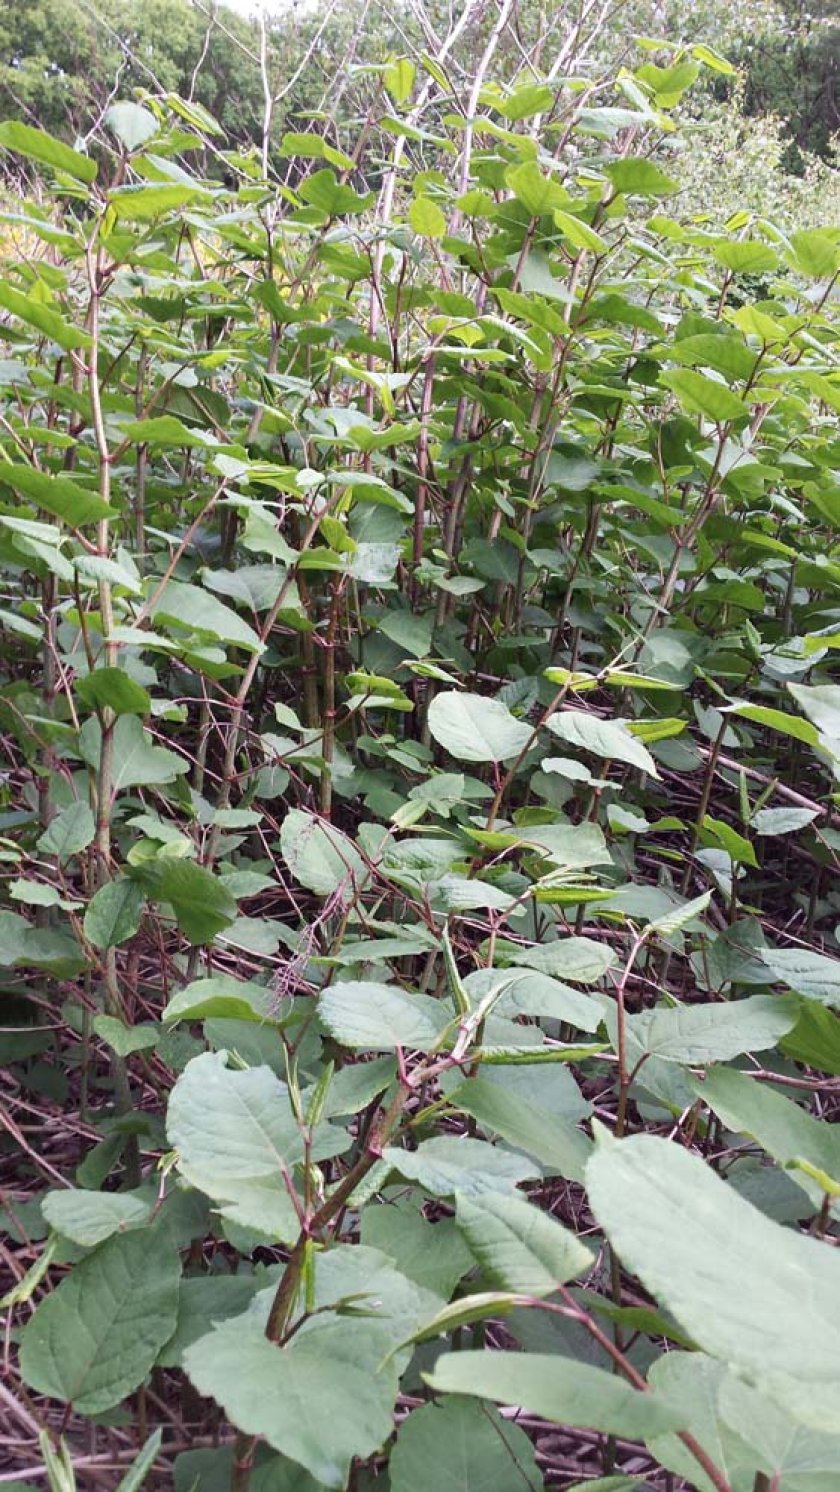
420,606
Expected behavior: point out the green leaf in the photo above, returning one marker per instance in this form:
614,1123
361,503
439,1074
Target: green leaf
70,832
693,1384
115,689
398,76
94,1339
426,218
61,496
142,204
474,729
189,608
780,1126
382,1017
746,256
552,1141
38,146
578,233
609,739
114,913
125,1039
674,922
668,83
812,975
236,1135
314,147
821,703
815,1039
202,904
700,394
88,1218
815,252
526,100
736,846
318,855
445,1166
321,1400
432,1254
788,725
697,1034
162,430
458,1446
639,177
774,821
694,1244
559,1389
142,1464
131,123
330,196
42,316
580,959
712,59
221,996
518,1246
538,193
137,761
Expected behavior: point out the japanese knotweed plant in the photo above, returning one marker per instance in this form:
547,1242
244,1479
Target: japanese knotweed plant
421,596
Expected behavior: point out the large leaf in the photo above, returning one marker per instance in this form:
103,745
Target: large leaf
381,1017
474,729
201,901
810,974
556,1388
221,996
787,1132
700,394
188,607
94,1339
319,856
581,959
458,1446
711,1033
42,316
554,1142
237,1139
138,762
446,1166
432,1254
609,739
321,1400
695,1243
61,496
37,145
88,1218
518,1246
71,830
114,913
